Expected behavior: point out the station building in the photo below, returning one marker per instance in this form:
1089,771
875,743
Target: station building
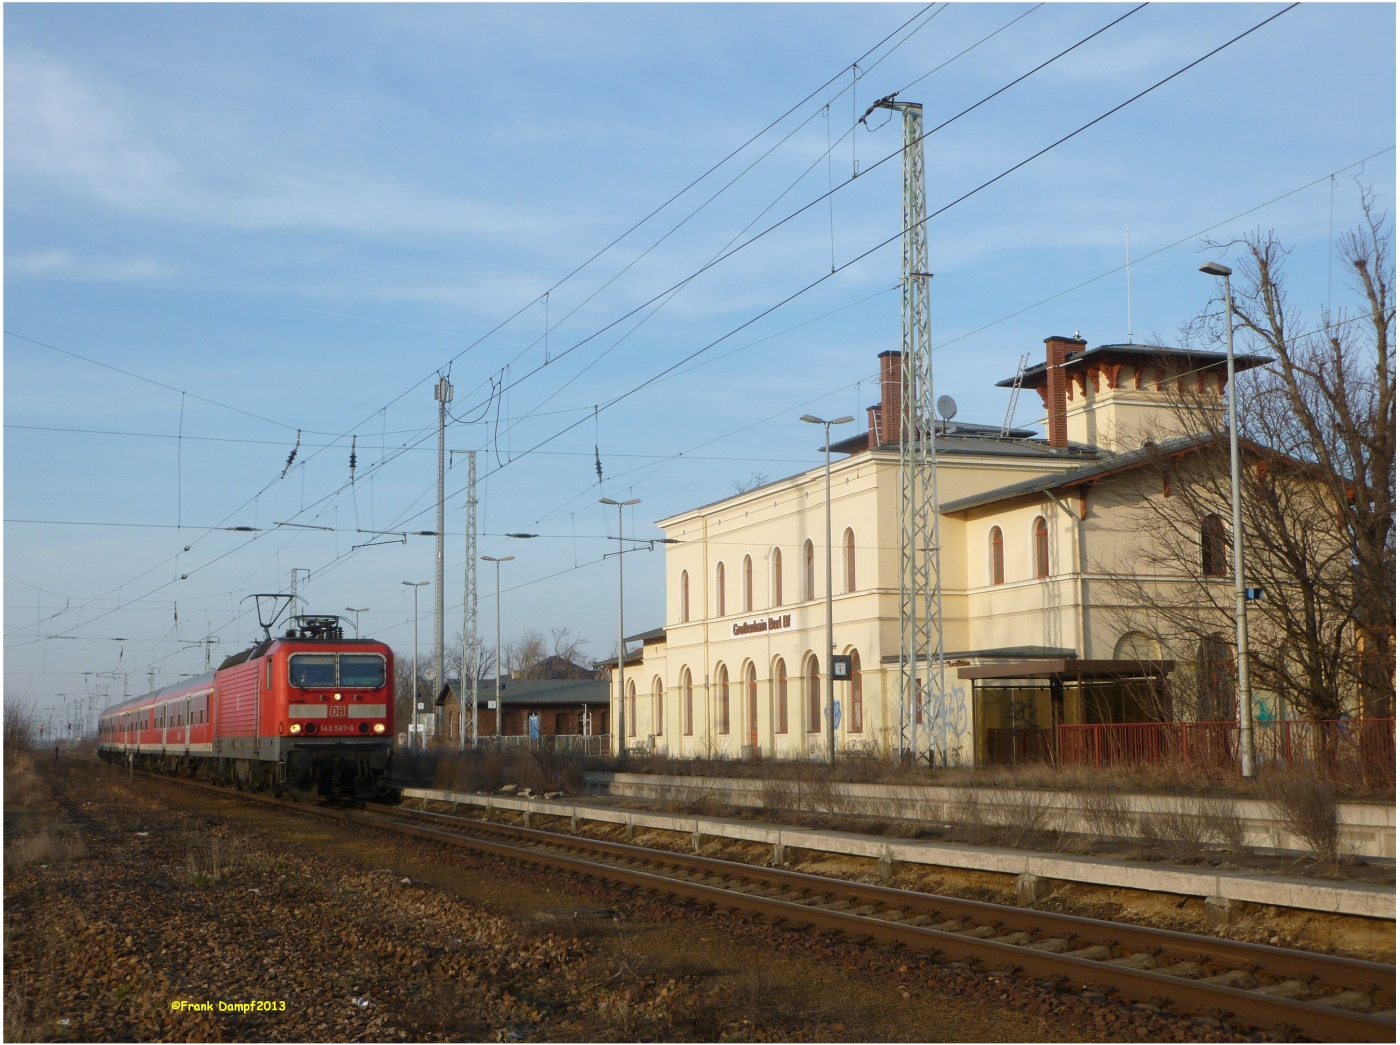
1029,628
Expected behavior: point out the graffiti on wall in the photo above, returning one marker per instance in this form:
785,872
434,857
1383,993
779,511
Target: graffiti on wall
946,723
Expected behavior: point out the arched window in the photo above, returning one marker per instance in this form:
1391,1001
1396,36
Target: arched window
809,572
719,590
998,557
748,584
1212,546
722,676
687,703
658,693
631,708
777,577
850,543
814,696
1135,645
751,704
685,596
1042,547
857,695
1215,696
780,695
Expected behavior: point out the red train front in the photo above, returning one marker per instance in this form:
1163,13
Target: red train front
310,712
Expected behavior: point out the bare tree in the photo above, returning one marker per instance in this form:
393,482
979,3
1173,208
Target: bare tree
1318,490
753,482
533,656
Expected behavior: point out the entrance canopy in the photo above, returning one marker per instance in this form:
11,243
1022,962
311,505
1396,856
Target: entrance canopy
1065,668
1020,708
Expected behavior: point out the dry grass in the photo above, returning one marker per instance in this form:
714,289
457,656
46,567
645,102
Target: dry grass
43,847
871,766
491,768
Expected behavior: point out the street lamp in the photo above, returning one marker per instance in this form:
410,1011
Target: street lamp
830,640
415,588
500,711
621,645
1246,697
351,609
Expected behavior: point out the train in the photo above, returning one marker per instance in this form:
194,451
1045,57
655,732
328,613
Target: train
308,712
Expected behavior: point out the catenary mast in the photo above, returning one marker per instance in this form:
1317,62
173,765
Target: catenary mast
443,395
923,702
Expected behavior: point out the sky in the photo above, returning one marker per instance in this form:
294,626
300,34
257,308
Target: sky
229,227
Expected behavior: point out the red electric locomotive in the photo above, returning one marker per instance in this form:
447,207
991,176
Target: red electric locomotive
310,711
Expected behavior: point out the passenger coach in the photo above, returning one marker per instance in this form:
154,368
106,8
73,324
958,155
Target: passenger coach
310,712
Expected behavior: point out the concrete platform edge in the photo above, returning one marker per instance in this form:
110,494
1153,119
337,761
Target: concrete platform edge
1352,898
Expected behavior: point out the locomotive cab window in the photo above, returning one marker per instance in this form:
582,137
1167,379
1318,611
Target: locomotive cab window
363,670
353,670
312,670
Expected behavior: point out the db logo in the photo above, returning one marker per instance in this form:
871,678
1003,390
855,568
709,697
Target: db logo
339,711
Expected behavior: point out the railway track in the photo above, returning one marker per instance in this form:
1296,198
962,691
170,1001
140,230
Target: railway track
1317,996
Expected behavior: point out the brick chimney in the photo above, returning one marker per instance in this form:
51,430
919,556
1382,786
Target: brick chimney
891,407
1056,349
872,414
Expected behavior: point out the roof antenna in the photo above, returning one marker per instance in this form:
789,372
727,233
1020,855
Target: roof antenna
1128,255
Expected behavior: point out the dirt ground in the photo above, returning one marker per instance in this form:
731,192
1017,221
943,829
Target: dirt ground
124,898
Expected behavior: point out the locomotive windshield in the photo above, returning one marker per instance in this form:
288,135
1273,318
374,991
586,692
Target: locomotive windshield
313,670
325,670
362,670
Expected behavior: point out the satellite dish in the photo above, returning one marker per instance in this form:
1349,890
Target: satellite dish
947,408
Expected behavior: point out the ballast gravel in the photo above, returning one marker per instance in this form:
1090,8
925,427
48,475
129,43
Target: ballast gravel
174,909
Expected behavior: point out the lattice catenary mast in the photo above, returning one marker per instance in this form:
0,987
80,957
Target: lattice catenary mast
923,703
471,644
443,394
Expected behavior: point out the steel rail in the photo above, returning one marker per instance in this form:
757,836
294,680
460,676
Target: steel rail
1347,973
1323,1022
1315,1020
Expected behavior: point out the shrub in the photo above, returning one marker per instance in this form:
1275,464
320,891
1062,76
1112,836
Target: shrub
1021,815
1105,813
1307,805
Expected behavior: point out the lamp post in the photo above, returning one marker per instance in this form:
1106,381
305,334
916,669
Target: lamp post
830,639
351,609
621,645
415,588
1246,697
499,710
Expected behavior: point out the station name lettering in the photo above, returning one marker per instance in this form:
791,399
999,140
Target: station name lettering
750,627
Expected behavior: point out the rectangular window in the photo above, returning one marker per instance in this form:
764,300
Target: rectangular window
362,670
312,670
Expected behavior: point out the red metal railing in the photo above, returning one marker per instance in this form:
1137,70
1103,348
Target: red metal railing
1356,748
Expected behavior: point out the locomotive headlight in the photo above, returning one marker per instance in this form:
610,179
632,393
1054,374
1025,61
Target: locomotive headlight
379,727
337,696
295,728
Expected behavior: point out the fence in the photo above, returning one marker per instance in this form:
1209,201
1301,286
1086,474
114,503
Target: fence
1362,749
596,745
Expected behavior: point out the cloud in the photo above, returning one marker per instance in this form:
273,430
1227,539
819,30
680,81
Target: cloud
73,134
56,263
